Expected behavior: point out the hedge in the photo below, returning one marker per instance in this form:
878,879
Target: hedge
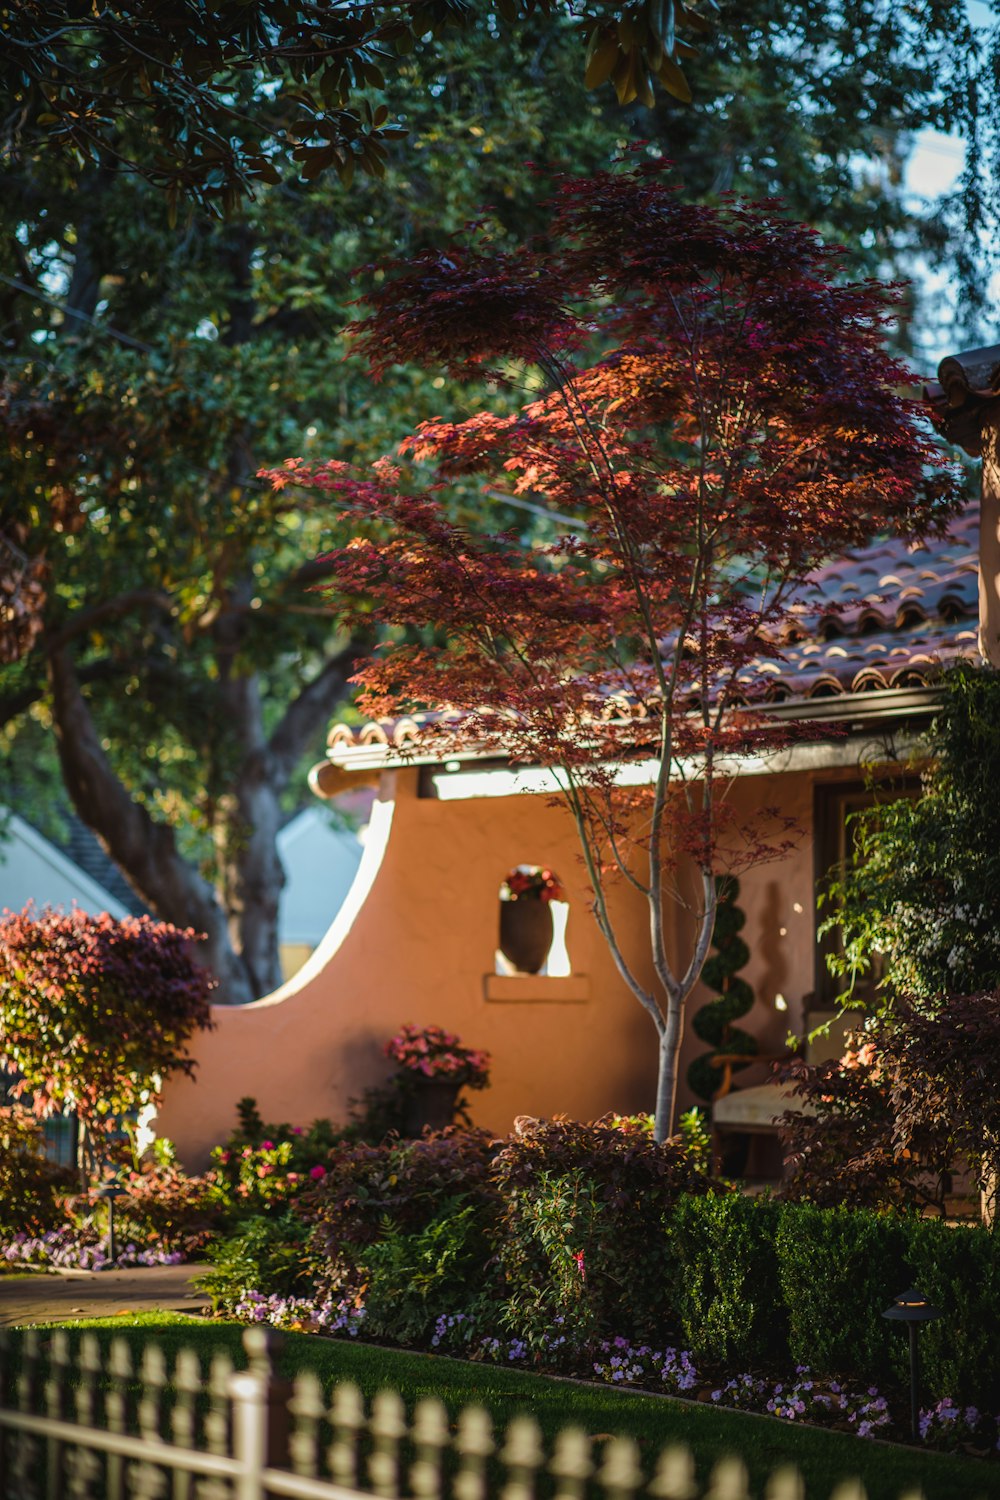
758,1282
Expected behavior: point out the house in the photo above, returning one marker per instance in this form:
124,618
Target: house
416,938
73,872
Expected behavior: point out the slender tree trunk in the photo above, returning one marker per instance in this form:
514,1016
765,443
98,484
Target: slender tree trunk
667,1071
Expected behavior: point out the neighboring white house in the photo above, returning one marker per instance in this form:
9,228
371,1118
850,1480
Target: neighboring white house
320,860
33,869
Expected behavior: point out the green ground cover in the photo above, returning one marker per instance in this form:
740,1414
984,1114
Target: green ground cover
824,1457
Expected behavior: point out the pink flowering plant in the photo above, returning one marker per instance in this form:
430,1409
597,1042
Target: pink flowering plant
264,1167
532,883
432,1052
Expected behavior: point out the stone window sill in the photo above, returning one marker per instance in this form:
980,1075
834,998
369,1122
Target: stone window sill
536,989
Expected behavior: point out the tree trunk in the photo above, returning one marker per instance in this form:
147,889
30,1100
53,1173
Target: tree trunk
666,1073
144,850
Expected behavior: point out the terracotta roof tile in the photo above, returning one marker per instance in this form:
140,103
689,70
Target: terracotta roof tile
888,617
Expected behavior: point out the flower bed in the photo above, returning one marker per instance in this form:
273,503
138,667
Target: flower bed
64,1249
668,1371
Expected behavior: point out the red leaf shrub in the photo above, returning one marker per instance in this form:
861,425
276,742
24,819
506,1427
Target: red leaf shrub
162,1208
583,1225
914,1095
400,1182
94,1012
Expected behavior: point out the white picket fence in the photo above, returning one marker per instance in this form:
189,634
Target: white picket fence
79,1427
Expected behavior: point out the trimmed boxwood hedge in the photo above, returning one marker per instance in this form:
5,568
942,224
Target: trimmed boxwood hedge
725,1291
758,1282
838,1270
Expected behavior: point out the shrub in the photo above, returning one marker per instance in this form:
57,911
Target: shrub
31,1187
582,1234
263,1167
838,1271
415,1279
561,1268
367,1192
96,1012
845,1152
724,1282
264,1255
958,1268
162,1208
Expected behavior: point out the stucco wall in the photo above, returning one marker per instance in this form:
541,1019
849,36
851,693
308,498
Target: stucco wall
418,935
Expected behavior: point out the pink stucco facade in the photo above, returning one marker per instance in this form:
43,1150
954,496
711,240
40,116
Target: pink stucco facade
416,942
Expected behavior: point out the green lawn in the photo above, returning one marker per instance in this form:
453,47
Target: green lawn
824,1457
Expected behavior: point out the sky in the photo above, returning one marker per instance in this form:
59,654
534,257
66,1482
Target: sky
933,169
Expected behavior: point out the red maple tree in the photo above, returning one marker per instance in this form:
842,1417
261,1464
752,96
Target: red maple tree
717,415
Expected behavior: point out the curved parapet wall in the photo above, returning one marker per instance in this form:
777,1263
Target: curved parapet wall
416,941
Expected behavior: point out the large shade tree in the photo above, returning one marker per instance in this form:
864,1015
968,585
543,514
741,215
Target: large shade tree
211,101
185,670
715,411
153,602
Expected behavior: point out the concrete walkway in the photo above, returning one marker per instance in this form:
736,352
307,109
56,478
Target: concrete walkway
99,1294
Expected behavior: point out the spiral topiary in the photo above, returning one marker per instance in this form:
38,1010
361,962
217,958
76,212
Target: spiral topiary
713,1023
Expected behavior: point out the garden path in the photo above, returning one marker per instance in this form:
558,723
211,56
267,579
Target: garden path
99,1294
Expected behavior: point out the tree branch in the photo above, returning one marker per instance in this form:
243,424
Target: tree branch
310,709
108,609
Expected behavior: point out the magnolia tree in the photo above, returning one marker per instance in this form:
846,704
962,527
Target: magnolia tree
95,1012
709,414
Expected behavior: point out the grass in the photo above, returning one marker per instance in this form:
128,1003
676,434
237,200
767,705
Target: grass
824,1458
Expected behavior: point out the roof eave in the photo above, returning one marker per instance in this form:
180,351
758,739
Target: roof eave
352,765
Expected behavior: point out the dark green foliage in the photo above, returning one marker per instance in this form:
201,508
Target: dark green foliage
413,1279
604,1191
397,1190
838,1271
264,1253
958,1268
724,1283
922,888
713,1022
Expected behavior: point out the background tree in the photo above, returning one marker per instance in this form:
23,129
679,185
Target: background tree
148,370
207,101
732,424
149,375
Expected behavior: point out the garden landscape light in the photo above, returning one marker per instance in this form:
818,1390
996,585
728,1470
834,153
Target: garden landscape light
912,1307
111,1190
